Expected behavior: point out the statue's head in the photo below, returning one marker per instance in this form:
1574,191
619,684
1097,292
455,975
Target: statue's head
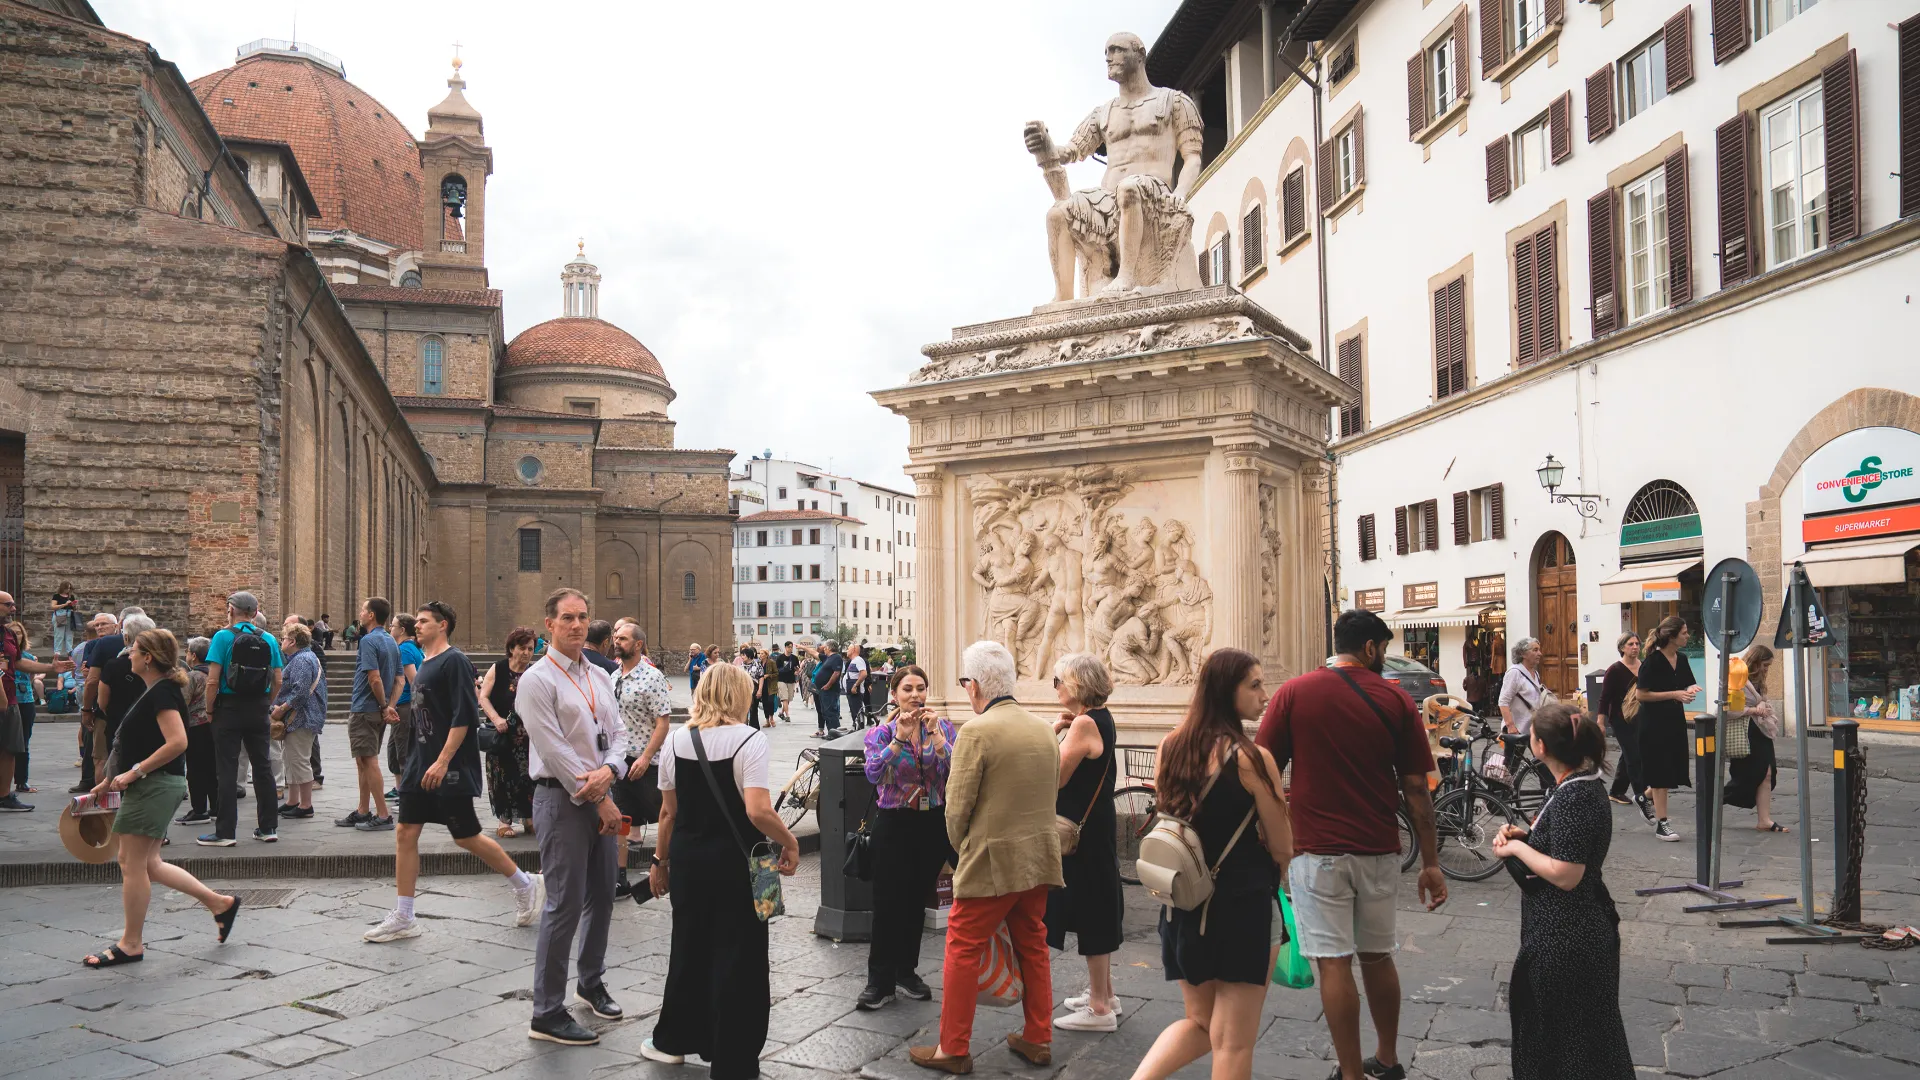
1126,54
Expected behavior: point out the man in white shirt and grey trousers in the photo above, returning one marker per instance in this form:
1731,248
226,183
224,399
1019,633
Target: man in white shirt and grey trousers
577,748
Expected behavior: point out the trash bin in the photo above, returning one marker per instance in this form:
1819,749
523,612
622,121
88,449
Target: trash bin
846,903
1594,680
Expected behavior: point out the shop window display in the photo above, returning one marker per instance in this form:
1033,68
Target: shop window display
1873,661
1422,645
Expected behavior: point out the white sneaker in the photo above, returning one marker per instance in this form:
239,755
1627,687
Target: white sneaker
1087,1020
1085,1000
527,905
654,1053
393,928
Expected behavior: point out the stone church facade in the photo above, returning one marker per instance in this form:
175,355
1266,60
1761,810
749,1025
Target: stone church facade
247,340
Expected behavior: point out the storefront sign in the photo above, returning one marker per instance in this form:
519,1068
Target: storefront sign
1370,599
1654,532
1875,466
1423,595
1487,590
1899,519
1655,592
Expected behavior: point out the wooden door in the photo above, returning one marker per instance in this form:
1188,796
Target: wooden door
1556,614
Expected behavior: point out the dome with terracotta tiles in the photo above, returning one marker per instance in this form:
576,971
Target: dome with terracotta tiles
362,164
573,340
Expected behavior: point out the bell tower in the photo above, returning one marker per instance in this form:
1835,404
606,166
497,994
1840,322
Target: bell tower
454,163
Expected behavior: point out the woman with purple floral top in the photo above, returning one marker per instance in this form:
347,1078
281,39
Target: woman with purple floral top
907,761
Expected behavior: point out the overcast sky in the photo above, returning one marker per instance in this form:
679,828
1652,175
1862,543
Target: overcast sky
785,200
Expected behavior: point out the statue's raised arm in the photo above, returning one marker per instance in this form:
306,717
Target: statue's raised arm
1132,235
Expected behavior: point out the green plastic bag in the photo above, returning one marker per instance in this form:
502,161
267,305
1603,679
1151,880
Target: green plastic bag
1291,969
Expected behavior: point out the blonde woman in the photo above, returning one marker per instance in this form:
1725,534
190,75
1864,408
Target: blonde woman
147,748
1091,904
1750,779
715,802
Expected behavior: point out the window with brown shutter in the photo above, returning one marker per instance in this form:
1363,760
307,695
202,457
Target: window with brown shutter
1450,339
1523,306
1560,128
1600,104
1399,530
1323,175
1497,508
1732,28
1359,149
1368,549
1536,296
1430,523
1493,36
1352,415
1293,203
1733,172
1462,64
1603,261
1679,35
1499,160
1840,98
1679,230
1253,240
1910,117
1417,117
1461,526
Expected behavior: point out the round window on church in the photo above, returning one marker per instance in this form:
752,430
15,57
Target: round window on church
530,469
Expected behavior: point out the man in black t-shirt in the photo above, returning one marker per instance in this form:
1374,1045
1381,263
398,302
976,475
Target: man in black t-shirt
787,666
442,778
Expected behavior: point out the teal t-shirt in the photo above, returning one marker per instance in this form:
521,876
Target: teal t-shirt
410,653
221,651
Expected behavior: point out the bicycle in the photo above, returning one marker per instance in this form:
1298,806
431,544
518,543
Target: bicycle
1527,781
801,792
1467,817
1133,807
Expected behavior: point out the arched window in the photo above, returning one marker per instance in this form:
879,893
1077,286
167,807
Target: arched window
687,591
433,354
613,585
1661,521
410,279
1658,501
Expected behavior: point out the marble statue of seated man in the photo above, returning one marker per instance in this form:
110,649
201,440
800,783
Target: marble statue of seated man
1133,233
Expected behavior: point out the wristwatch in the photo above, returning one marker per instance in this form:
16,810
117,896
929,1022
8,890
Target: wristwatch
139,773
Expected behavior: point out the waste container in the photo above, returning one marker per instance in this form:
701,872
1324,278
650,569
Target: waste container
1594,679
846,903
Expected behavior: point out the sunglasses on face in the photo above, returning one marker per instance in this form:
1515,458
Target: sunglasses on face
964,680
1056,682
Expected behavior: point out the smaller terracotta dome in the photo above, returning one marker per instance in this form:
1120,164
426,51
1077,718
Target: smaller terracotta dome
577,341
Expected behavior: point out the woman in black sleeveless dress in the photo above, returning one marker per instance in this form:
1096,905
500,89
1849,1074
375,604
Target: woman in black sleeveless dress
509,787
1214,950
1565,992
1091,904
1666,684
718,992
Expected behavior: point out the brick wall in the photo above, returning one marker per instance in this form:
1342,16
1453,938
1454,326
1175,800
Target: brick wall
566,464
466,367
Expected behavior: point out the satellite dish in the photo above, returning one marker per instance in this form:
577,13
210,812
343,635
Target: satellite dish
1732,600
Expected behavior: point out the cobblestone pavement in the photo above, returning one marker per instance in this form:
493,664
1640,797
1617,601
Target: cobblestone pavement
297,994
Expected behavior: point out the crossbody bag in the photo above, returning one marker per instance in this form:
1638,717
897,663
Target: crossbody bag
763,870
1068,828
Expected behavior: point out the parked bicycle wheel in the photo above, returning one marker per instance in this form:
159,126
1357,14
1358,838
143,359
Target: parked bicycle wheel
1132,817
1409,843
802,793
1467,822
1530,787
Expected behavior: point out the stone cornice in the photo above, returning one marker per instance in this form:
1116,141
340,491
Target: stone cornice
1107,316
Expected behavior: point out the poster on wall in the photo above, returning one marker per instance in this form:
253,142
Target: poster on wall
1876,466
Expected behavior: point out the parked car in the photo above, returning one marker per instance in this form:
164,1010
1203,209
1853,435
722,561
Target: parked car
1418,680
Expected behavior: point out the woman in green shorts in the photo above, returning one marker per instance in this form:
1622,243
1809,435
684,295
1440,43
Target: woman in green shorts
151,738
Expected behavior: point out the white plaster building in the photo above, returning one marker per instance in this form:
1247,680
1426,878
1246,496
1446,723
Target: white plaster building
821,550
1673,246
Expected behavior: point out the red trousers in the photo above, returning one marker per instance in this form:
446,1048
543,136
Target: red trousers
970,927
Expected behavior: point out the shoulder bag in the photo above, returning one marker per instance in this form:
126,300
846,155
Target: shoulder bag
763,871
1173,861
1068,828
1393,733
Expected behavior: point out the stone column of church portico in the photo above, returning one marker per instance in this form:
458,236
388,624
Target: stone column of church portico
1236,569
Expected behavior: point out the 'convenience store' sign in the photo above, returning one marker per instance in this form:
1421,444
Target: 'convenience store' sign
1877,466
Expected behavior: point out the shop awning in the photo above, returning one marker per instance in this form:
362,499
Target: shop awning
1861,562
1423,617
1630,584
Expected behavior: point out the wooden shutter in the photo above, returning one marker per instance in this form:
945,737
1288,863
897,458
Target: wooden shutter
1523,300
1293,203
1546,292
1450,339
1399,530
1352,417
1600,104
1910,117
1462,64
1360,147
1840,102
1461,532
1430,524
1556,11
1499,165
1679,35
1493,36
1679,230
1733,171
1497,510
1416,95
1253,239
1369,547
1560,128
1225,244
1603,259
1205,269
1732,28
1324,178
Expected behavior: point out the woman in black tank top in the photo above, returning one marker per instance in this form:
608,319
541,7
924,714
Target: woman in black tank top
1090,905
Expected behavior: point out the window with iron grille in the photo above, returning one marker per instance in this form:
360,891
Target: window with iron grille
432,366
687,588
530,550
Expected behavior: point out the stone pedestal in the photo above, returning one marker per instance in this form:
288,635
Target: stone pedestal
1131,479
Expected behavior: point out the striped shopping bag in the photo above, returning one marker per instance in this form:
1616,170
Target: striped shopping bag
1000,982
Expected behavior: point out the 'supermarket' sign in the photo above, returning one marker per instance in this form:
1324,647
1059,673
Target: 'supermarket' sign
1870,467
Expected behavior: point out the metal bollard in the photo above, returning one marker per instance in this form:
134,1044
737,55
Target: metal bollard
1705,764
1849,819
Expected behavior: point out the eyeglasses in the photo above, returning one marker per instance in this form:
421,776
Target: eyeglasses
964,680
1056,682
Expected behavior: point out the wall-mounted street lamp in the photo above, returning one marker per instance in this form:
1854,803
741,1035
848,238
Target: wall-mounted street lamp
1587,506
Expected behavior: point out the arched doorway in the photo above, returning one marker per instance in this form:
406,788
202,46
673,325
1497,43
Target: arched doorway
1556,614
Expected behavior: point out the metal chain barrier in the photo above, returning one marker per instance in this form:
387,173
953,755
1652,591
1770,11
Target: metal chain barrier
1846,896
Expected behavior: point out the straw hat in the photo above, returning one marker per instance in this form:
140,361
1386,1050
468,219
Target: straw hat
90,837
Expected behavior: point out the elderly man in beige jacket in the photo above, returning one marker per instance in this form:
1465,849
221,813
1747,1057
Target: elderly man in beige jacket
1000,795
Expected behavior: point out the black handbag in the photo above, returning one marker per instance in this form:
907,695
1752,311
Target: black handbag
859,860
486,736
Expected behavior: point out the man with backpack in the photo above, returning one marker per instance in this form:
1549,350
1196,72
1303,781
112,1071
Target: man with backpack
243,675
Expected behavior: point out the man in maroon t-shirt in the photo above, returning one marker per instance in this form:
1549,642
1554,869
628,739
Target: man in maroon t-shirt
1357,745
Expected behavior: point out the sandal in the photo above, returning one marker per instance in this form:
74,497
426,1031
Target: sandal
506,831
113,956
1775,827
225,920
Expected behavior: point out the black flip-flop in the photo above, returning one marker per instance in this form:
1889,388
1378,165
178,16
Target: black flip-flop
113,956
225,919
1775,827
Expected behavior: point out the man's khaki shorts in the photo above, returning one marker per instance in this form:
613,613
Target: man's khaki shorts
363,733
786,692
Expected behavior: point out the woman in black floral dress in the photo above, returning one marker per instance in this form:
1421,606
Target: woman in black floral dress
509,788
1565,994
